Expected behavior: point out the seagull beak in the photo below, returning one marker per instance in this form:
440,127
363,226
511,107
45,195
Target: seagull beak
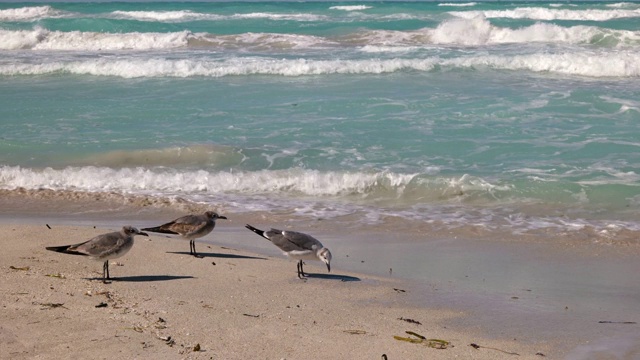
143,233
329,267
222,217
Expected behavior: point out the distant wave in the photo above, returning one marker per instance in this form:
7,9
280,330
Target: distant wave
554,12
479,31
622,5
260,41
464,32
350,7
618,64
469,4
32,13
186,15
42,39
165,16
539,13
29,13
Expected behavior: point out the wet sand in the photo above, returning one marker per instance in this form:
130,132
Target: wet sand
243,299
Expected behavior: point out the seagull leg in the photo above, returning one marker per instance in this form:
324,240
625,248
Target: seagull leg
301,273
105,272
192,249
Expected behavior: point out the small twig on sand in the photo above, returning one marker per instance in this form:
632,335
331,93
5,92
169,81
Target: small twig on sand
410,321
52,305
476,346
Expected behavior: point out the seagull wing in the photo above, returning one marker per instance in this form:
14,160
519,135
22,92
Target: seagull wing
101,245
297,241
190,224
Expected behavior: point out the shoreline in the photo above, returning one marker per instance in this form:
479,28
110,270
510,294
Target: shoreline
528,297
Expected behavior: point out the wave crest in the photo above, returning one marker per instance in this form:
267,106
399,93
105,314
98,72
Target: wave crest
350,7
540,13
28,13
43,39
622,64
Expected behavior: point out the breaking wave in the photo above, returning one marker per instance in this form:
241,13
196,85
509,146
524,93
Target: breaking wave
442,203
540,13
29,13
475,31
618,64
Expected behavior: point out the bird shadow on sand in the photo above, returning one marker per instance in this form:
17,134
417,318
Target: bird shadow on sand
217,255
331,277
145,278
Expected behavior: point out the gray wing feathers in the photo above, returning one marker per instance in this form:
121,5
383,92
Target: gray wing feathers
293,240
102,245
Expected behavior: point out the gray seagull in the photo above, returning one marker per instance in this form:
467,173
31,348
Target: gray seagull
103,247
190,227
297,245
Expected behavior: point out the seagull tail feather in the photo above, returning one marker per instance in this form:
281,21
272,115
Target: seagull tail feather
256,230
159,229
64,249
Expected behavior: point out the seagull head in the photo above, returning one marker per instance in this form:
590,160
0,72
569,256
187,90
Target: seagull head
130,230
325,256
214,215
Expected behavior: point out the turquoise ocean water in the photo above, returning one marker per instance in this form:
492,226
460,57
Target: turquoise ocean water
501,117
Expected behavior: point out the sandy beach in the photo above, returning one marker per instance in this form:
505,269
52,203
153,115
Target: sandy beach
242,300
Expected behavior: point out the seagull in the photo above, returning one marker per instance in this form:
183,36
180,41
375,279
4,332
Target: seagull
297,245
190,227
103,247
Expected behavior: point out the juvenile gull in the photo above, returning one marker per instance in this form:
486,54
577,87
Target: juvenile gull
103,247
297,245
190,227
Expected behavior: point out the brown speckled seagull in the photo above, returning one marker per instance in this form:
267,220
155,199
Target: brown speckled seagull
190,227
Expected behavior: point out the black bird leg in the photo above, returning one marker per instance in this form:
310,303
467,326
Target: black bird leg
105,272
192,249
301,273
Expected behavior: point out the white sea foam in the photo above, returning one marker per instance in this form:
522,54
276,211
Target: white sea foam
619,64
439,202
42,39
133,68
625,104
622,5
540,13
479,31
165,16
281,16
585,63
469,4
398,188
261,41
144,180
350,7
187,15
460,32
29,13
